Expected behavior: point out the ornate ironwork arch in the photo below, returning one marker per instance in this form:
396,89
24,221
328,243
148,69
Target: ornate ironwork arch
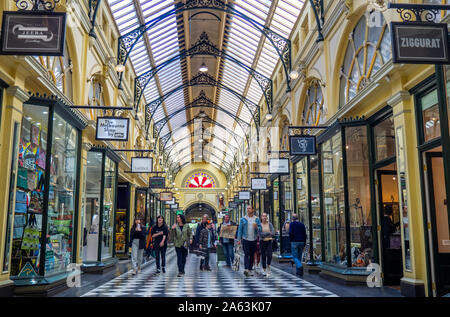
201,79
164,139
203,47
282,45
201,102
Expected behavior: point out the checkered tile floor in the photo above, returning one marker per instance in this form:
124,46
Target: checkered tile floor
220,282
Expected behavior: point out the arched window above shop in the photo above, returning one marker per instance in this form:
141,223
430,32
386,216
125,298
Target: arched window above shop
59,69
95,96
200,180
284,140
369,48
313,111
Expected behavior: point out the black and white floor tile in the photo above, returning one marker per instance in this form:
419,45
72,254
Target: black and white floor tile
220,282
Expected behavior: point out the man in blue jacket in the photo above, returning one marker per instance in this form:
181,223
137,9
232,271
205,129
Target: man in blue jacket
249,227
297,235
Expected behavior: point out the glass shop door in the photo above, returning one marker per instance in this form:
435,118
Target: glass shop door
438,217
390,235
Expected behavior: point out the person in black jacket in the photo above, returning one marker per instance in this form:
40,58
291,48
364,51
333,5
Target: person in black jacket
206,242
160,234
199,229
137,242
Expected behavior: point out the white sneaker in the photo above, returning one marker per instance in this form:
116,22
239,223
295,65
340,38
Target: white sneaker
264,273
251,273
133,272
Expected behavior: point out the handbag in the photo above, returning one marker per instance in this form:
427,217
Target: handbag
237,259
31,180
21,202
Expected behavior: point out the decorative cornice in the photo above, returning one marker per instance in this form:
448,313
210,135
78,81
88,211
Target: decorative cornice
18,93
86,146
398,97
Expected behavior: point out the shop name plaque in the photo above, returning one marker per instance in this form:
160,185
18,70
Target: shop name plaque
141,165
232,205
112,128
259,184
157,182
302,145
279,166
33,33
419,43
244,195
165,196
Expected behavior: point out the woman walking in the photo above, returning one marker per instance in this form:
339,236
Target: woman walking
182,238
160,233
265,240
137,241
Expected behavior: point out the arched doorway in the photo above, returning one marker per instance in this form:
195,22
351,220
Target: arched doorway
196,211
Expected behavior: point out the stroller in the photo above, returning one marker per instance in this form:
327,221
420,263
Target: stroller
237,258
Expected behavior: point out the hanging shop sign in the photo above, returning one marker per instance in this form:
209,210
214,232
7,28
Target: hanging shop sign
171,202
244,195
165,196
157,182
141,165
302,145
174,206
33,33
259,184
112,128
279,166
232,205
420,43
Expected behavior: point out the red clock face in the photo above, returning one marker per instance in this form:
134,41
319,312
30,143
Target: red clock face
200,180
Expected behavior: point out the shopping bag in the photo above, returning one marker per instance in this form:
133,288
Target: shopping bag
237,259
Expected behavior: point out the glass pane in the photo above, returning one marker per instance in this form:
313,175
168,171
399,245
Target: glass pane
61,202
276,205
92,197
384,139
140,204
12,185
29,204
315,207
333,192
430,116
108,208
359,195
302,194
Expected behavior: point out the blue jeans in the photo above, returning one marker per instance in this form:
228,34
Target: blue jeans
228,251
297,252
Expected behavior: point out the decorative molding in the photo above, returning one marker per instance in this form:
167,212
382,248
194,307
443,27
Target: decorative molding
86,146
18,93
398,97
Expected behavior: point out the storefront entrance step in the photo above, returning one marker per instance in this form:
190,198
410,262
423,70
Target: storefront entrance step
99,267
40,286
412,288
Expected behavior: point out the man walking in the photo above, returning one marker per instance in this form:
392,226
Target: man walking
249,227
200,227
206,242
297,235
227,244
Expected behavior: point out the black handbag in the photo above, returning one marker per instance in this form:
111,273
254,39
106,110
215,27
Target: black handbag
274,245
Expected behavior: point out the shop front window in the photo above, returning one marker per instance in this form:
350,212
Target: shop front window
276,205
92,206
430,116
61,199
359,195
384,139
334,206
315,208
301,172
29,206
140,204
108,208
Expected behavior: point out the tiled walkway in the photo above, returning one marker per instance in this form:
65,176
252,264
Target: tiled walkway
221,281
